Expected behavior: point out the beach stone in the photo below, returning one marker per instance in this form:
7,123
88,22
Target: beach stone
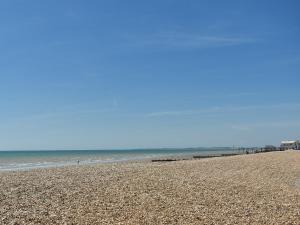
246,189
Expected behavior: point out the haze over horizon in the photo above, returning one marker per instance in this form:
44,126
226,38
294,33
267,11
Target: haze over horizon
148,74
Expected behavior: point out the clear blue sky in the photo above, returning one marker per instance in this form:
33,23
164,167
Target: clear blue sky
160,73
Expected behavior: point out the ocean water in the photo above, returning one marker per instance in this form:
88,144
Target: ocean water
25,160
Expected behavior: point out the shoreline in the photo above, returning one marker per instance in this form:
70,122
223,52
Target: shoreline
65,162
161,158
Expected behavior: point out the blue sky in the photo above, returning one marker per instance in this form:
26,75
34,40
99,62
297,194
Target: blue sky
129,74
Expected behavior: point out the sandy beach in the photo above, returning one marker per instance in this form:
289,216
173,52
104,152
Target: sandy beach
247,189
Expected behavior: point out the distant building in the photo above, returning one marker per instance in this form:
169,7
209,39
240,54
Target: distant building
285,145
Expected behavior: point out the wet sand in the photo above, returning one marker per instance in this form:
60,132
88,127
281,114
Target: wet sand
246,189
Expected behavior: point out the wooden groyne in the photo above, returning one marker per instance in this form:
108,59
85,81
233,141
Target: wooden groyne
236,151
164,160
252,150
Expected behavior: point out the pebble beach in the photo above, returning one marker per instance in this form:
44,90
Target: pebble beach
259,188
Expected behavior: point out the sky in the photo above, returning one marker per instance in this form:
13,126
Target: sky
143,74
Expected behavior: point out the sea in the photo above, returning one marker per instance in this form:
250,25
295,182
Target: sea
26,160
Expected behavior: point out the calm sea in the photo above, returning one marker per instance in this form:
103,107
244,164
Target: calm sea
25,160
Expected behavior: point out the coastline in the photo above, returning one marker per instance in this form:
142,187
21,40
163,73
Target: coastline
165,158
27,160
248,189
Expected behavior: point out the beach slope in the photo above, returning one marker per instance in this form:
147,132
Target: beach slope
247,189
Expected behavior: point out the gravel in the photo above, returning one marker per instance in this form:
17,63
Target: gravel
246,189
